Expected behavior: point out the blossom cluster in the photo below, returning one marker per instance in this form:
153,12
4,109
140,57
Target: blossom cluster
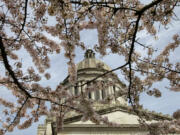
24,24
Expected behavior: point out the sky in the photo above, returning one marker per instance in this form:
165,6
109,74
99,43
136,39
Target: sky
167,104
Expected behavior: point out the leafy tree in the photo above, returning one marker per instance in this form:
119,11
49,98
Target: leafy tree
24,24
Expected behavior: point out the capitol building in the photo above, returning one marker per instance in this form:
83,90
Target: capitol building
117,111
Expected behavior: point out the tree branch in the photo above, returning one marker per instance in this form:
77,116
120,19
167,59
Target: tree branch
56,103
142,10
145,46
9,68
24,21
130,57
104,4
139,13
107,72
17,114
160,66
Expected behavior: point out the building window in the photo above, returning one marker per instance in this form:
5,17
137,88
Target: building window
114,89
97,95
89,95
76,90
103,94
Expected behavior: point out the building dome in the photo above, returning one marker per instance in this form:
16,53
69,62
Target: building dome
91,62
91,69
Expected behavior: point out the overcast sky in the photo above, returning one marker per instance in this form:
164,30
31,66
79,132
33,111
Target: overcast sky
168,103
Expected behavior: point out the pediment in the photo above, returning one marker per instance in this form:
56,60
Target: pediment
119,117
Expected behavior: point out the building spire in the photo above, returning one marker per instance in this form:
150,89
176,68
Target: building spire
89,54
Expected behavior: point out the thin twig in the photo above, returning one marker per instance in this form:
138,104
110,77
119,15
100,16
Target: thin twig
17,114
24,21
154,64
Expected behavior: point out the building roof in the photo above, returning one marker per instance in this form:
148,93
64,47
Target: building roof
103,109
72,123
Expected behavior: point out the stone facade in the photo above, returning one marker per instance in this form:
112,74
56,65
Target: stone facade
117,112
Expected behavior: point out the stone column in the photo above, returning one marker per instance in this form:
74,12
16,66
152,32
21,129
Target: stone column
41,130
93,95
111,89
100,94
83,87
72,91
48,129
79,88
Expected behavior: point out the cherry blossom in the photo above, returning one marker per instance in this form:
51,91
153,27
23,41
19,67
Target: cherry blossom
24,26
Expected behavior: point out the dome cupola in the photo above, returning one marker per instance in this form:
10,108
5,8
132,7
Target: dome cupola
89,54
